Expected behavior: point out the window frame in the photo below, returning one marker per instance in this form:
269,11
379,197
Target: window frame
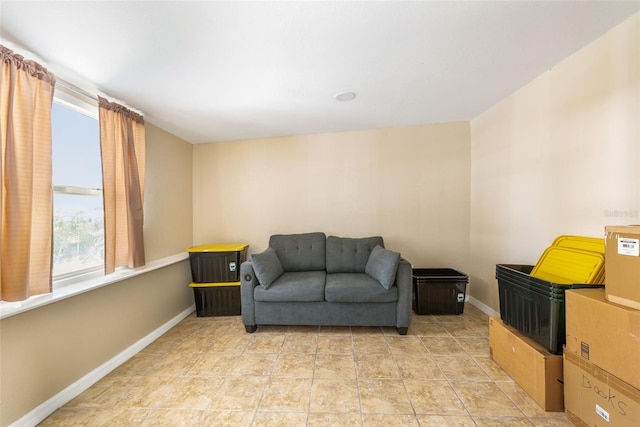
88,106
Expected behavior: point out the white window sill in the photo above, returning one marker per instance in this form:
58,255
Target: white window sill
8,309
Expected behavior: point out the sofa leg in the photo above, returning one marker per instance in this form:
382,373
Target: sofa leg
250,328
403,331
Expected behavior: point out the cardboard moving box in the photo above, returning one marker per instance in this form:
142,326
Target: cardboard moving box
604,333
595,398
531,365
622,271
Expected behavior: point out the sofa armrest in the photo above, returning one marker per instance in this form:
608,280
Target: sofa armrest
248,282
404,283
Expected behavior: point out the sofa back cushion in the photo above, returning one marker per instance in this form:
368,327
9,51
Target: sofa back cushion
347,255
300,252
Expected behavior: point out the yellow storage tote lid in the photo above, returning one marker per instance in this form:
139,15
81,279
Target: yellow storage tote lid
566,266
219,247
594,244
213,284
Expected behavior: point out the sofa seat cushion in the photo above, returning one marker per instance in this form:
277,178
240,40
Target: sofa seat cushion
357,287
347,255
298,286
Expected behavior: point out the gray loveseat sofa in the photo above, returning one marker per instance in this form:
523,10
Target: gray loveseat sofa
311,279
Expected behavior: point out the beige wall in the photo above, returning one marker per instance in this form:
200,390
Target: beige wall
409,185
559,156
168,214
49,348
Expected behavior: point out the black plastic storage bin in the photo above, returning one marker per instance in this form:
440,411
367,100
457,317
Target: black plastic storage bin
439,290
216,300
534,306
217,263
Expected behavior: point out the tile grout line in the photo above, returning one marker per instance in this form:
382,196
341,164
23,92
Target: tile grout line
355,368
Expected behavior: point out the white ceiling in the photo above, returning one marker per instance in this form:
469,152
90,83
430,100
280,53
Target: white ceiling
211,71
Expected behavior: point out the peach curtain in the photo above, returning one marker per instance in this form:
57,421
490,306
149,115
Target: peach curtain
122,143
26,197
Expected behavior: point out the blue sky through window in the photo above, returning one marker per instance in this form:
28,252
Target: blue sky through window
76,148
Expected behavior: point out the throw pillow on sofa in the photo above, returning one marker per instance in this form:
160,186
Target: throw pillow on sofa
267,267
382,266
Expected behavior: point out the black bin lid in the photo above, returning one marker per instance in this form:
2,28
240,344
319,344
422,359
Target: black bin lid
439,273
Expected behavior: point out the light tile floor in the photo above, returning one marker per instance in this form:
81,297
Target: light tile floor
208,371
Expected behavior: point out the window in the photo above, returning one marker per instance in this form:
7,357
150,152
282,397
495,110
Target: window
78,220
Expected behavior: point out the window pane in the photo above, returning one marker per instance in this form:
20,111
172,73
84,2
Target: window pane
78,233
76,148
78,222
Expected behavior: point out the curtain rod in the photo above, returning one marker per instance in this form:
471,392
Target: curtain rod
32,56
76,89
70,87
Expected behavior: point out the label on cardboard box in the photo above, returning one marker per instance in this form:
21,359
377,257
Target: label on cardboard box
628,246
604,414
584,350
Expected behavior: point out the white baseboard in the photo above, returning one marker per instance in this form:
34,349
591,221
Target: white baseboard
483,307
47,408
